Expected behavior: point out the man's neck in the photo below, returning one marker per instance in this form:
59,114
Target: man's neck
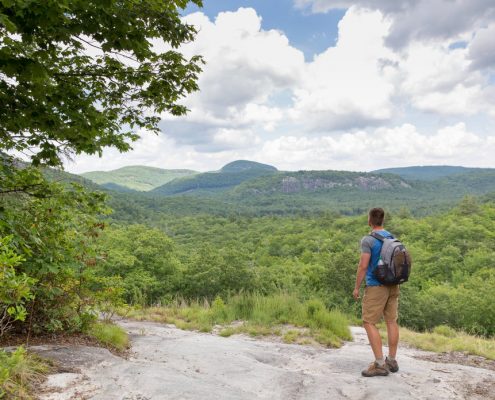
377,228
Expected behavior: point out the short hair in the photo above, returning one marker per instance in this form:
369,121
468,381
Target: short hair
376,216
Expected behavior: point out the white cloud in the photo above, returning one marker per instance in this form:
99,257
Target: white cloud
438,79
349,85
363,150
383,147
358,82
418,19
232,138
245,67
482,48
244,64
163,152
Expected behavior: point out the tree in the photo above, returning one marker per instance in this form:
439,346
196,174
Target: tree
144,258
77,76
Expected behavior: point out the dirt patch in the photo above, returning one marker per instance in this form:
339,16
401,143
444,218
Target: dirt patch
58,339
484,389
459,358
61,339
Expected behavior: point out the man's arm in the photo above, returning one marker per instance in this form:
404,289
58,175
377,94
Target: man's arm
361,272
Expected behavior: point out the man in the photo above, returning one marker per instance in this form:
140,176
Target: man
378,300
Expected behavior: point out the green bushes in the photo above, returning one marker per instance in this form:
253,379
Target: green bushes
468,306
53,229
19,372
15,289
110,335
445,330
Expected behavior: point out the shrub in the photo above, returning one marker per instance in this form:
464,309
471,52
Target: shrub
445,330
19,372
110,334
15,289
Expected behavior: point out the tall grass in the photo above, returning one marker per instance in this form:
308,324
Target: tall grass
109,334
445,339
261,315
19,373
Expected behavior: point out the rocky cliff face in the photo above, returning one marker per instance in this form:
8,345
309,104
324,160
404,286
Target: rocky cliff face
292,184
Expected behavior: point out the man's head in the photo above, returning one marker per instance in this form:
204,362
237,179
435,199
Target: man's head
375,217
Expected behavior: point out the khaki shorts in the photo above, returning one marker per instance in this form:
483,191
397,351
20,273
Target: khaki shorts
380,301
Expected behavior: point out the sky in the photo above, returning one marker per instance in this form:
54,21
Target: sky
331,84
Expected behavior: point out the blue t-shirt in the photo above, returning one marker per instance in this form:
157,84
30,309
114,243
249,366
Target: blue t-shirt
373,246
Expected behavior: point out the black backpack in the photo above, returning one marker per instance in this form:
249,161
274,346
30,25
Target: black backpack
394,264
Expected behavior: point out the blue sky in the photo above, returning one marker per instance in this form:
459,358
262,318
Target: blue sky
331,84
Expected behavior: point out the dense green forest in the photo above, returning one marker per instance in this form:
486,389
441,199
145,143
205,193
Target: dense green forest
208,256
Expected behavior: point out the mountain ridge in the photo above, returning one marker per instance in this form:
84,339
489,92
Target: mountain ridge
253,188
430,172
136,177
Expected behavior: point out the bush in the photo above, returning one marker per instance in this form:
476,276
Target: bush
19,372
110,335
445,330
15,289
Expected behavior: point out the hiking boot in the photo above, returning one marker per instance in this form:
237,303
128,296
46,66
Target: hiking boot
375,369
391,365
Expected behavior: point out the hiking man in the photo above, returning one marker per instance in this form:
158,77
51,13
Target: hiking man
378,300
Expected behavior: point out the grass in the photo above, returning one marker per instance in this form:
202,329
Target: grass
109,334
260,316
20,372
443,339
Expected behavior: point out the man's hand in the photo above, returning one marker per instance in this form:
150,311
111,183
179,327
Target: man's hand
355,294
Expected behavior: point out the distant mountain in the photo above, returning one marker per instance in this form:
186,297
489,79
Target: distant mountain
245,187
66,178
117,188
244,165
226,178
429,173
309,192
51,174
137,177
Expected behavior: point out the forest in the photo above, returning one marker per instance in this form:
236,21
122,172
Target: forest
209,256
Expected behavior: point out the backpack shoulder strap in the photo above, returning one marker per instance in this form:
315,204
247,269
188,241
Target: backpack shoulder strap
377,236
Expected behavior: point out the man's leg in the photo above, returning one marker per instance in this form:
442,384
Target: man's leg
373,303
393,338
375,339
391,314
378,367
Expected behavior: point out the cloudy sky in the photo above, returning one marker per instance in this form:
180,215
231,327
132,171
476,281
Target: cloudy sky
332,84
